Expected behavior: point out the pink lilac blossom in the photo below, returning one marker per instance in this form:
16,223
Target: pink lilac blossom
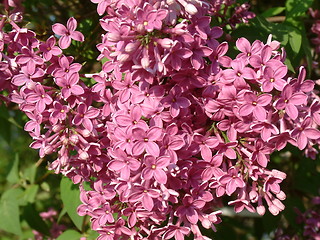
158,142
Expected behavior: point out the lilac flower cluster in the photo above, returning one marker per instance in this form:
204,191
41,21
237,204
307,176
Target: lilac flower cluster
310,220
172,124
56,229
315,29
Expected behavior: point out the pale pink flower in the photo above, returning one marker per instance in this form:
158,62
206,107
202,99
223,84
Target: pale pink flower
67,33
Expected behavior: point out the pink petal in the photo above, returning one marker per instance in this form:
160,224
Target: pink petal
163,162
246,109
262,159
72,24
264,99
160,176
292,111
302,141
87,124
116,165
64,42
206,153
152,148
243,45
78,36
59,29
260,113
147,202
147,173
298,99
138,148
154,133
192,215
312,133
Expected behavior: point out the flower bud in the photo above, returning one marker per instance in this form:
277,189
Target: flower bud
281,195
48,150
84,156
113,37
261,210
74,139
191,9
57,128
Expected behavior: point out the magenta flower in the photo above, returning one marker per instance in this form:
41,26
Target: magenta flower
58,112
232,180
49,49
124,139
177,232
102,216
34,123
189,209
85,115
304,133
145,196
240,204
256,105
123,163
175,101
145,141
149,18
66,67
247,50
290,100
102,5
39,97
176,55
67,33
155,168
273,78
131,120
206,143
29,58
69,85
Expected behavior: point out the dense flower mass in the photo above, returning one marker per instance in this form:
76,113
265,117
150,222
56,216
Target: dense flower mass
172,124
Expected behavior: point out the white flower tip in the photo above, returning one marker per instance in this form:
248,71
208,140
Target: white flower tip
191,9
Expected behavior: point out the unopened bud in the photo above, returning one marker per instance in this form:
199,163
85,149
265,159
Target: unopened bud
57,128
114,37
74,139
261,210
48,150
84,156
281,195
191,9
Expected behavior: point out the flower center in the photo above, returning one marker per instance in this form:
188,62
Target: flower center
153,166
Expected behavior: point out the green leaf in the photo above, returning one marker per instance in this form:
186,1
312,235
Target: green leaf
9,211
70,195
295,39
62,213
29,194
34,220
273,12
30,173
13,175
45,186
289,65
69,235
297,8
